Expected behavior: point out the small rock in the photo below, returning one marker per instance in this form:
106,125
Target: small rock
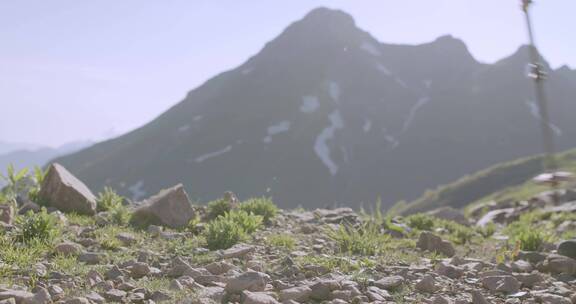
448,270
77,300
238,251
68,249
389,283
568,248
257,298
506,283
433,243
115,295
478,298
42,296
298,294
321,290
126,239
92,258
557,264
427,284
139,270
18,295
250,280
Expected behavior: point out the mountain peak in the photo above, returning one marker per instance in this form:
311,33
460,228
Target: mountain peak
328,15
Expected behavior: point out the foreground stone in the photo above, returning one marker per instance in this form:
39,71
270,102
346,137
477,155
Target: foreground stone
568,248
433,243
170,207
19,296
65,192
251,281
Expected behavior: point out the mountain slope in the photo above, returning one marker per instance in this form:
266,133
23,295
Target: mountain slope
38,156
325,114
510,180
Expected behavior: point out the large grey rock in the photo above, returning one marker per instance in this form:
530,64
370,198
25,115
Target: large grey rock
557,264
298,294
321,290
170,207
62,190
427,284
258,298
19,295
389,283
429,241
250,280
568,248
504,283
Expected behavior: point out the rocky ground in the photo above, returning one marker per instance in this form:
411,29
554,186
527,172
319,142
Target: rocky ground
82,248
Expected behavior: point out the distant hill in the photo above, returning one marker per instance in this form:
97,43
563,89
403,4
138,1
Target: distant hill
325,114
510,180
7,147
33,155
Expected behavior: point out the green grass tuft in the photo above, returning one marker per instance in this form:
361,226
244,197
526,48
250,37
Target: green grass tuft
260,206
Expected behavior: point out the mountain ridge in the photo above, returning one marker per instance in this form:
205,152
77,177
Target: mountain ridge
321,117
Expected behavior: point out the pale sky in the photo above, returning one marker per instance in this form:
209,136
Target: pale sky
75,70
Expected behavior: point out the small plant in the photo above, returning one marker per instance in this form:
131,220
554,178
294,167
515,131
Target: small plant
37,180
41,226
109,200
120,215
420,221
15,180
233,227
260,206
488,230
365,240
531,240
218,208
281,240
223,233
247,221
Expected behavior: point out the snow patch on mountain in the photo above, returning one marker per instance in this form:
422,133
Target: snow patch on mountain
321,144
137,192
309,104
184,128
412,113
367,125
401,82
206,156
390,139
428,84
197,118
535,111
345,154
370,48
334,91
382,68
278,128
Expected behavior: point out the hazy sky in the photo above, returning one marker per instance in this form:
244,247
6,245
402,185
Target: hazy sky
73,70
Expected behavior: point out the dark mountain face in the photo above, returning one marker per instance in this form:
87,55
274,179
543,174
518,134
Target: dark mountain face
326,114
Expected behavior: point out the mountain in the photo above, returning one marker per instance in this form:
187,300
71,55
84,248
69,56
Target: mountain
508,181
32,155
7,147
325,114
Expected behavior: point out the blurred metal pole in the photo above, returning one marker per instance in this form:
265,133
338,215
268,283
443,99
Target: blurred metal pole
537,73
